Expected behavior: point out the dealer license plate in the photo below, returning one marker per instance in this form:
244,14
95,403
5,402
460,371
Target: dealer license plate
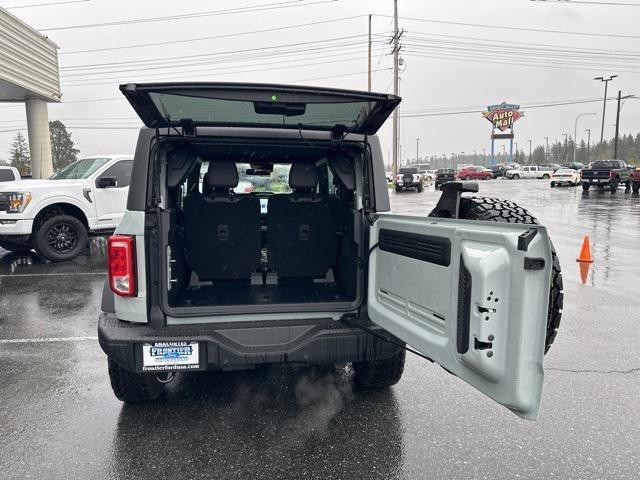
170,356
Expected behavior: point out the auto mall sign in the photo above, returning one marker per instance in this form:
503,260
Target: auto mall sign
503,115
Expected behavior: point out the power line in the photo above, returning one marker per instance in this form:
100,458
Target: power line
46,4
186,16
228,70
90,66
175,42
521,29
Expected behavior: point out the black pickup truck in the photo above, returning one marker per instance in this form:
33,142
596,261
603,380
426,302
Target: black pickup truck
606,173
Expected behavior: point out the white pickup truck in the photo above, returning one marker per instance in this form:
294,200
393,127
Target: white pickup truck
529,171
55,216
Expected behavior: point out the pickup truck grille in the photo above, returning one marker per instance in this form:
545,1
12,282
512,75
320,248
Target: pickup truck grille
4,203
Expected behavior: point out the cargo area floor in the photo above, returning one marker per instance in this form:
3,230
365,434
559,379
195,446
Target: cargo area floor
242,294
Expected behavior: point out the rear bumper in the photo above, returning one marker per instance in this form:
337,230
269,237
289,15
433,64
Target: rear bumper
596,181
236,346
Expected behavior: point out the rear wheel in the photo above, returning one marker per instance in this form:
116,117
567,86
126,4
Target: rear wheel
60,238
585,187
614,186
398,189
515,177
627,185
635,187
380,374
15,247
545,177
467,177
553,184
419,188
498,210
134,387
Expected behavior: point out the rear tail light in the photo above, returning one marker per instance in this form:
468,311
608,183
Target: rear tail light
611,174
248,189
121,262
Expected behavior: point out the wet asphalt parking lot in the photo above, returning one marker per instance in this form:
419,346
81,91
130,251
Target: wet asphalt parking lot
59,418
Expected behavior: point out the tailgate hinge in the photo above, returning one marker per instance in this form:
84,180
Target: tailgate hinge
449,204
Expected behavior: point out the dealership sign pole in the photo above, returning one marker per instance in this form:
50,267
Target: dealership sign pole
502,117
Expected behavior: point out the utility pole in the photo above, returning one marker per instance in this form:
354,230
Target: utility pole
396,55
417,151
484,154
604,106
369,69
530,151
588,130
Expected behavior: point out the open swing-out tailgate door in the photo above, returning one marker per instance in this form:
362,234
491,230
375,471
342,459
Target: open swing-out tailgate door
161,105
470,295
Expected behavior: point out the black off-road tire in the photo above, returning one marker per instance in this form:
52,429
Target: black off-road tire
614,186
132,387
380,374
627,185
585,187
15,247
546,177
635,187
498,210
42,238
419,189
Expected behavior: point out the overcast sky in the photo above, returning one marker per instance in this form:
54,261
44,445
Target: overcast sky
447,66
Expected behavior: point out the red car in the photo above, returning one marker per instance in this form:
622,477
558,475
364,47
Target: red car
475,173
635,179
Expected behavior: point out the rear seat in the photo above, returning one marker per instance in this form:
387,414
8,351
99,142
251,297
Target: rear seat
301,237
222,230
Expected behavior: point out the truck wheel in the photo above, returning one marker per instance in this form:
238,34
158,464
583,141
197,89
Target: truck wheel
498,210
614,186
553,184
380,374
515,177
15,247
419,188
585,187
545,177
635,187
627,185
134,387
60,238
398,189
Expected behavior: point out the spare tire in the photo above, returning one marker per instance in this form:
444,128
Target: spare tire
407,178
498,210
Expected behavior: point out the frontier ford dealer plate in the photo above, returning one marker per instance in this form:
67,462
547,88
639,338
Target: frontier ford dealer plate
170,356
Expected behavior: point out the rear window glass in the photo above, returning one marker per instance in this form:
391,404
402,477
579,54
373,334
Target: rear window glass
229,112
445,171
408,170
606,164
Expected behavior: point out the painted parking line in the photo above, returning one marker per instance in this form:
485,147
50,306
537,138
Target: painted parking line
48,340
69,274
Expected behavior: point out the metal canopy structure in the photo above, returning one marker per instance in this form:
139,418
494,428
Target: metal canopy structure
29,73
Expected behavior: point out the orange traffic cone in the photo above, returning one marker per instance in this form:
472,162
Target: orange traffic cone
585,253
584,271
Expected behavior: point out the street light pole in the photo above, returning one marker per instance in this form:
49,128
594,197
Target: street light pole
546,152
604,105
417,150
566,147
530,144
575,133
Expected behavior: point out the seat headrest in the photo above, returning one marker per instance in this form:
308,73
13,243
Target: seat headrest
303,176
222,174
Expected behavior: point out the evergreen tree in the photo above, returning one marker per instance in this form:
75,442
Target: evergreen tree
63,151
19,155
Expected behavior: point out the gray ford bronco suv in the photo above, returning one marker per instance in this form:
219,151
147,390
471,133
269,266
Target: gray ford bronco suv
258,231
